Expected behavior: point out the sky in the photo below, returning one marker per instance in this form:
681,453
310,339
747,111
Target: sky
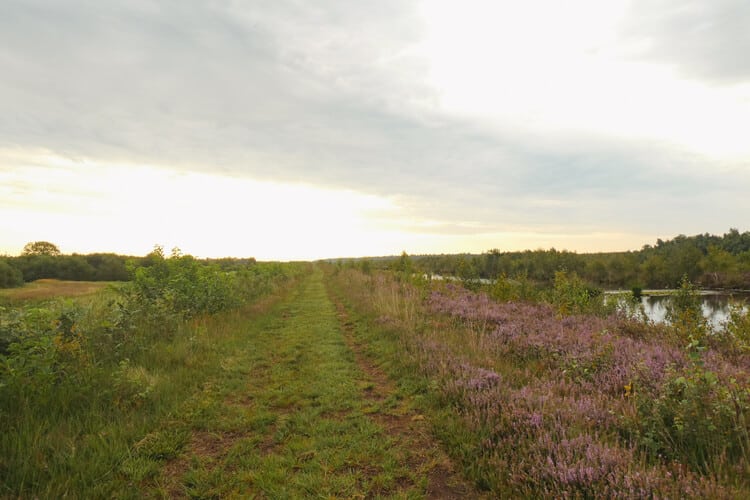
286,129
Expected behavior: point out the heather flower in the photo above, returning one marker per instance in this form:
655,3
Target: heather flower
551,400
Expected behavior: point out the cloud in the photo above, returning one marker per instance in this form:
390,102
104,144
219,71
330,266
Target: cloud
269,89
340,94
707,40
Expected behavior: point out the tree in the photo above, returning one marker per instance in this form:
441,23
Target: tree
9,275
403,264
40,248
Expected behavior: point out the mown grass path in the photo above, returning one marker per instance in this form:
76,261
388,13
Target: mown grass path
297,413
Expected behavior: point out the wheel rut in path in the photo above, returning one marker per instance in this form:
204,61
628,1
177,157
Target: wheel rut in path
408,428
299,411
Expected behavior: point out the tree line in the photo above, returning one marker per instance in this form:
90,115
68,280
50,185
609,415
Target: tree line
709,261
43,260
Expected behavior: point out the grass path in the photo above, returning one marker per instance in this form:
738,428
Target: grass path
298,411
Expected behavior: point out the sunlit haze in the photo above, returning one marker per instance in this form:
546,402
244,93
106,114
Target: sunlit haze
341,129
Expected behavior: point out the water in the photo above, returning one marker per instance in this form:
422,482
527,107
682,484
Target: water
715,306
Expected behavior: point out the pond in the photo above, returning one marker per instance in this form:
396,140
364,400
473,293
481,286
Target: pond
715,305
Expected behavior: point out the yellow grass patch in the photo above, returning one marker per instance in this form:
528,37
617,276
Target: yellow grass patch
49,288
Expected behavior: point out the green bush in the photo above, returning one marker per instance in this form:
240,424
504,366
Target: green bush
10,276
571,295
181,285
29,351
685,314
519,287
735,335
697,419
43,347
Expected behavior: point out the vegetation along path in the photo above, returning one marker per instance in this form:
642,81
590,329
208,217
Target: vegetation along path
301,412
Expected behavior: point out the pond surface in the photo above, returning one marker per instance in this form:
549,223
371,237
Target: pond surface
715,305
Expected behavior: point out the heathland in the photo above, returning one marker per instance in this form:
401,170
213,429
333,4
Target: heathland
170,376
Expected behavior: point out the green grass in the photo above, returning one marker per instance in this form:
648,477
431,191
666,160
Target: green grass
100,436
288,417
286,398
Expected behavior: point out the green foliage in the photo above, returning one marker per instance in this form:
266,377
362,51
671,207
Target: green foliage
107,267
695,418
365,266
36,267
93,267
80,380
716,261
262,278
468,273
10,276
735,336
404,264
571,295
38,347
40,248
181,285
685,314
519,287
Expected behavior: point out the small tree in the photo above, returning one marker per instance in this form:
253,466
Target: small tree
40,248
403,264
685,314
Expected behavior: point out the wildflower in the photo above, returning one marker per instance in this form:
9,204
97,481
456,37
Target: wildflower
629,389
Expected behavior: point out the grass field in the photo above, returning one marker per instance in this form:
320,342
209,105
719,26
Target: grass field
50,289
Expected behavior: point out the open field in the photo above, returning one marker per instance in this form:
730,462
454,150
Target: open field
44,289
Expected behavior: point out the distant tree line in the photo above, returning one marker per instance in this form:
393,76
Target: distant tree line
41,259
707,260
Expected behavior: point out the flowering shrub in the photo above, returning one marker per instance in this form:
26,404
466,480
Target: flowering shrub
575,406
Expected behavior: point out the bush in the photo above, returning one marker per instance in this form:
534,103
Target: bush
685,314
697,419
10,276
519,287
182,285
571,295
28,352
735,335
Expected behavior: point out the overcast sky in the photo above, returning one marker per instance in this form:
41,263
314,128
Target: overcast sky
297,129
